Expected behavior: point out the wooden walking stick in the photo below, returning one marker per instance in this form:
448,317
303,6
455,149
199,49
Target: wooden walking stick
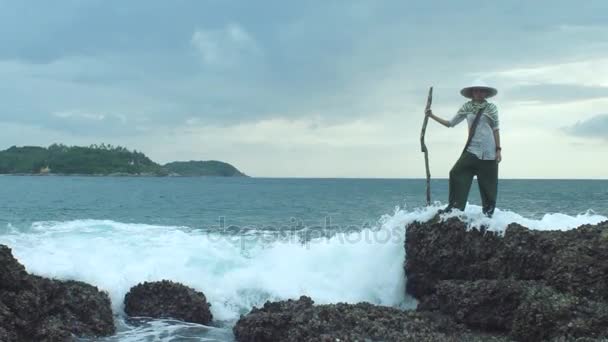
424,149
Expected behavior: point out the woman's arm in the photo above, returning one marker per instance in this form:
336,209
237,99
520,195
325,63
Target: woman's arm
444,122
498,147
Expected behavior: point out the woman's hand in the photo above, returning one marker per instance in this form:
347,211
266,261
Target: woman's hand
498,156
429,113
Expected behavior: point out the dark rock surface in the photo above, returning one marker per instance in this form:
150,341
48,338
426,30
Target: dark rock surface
529,285
525,310
167,299
300,320
33,308
574,261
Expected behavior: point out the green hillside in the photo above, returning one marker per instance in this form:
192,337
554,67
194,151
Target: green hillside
203,168
101,160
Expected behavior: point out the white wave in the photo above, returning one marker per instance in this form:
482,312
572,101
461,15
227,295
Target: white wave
239,272
474,216
163,330
235,272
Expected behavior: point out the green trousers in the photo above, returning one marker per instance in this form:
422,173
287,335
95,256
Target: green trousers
461,177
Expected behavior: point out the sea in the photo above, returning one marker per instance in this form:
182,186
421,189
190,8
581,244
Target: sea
245,241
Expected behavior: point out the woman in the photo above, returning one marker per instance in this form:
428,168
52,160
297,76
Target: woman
482,152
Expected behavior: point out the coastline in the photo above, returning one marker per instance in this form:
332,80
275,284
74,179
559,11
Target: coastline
471,284
112,175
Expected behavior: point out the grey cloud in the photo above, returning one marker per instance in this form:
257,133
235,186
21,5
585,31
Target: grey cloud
91,124
555,93
225,47
78,123
50,31
595,127
139,58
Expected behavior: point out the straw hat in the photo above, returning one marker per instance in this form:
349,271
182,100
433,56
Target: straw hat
478,84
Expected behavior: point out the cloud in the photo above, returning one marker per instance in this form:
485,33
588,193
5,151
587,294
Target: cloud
586,72
79,122
82,115
554,93
276,82
595,127
584,29
312,147
225,47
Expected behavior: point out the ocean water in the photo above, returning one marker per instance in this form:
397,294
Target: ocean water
243,241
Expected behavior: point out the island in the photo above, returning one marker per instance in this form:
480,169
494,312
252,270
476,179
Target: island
102,160
195,168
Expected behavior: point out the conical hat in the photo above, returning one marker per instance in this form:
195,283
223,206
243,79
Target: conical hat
479,84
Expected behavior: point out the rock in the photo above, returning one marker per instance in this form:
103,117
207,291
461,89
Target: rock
166,299
525,310
447,250
13,273
34,308
482,304
301,320
574,261
529,285
546,314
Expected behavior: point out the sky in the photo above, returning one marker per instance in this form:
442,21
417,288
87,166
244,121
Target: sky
310,88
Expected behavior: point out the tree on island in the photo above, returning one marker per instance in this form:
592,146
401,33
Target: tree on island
103,159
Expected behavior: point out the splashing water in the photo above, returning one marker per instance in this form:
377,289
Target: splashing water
238,271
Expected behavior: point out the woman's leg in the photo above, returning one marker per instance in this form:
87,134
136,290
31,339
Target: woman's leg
487,178
461,177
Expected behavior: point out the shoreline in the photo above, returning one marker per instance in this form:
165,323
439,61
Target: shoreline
286,178
111,175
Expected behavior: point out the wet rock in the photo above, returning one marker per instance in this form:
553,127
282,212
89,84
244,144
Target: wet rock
34,308
574,261
529,285
526,310
13,273
167,299
301,320
546,314
447,251
483,304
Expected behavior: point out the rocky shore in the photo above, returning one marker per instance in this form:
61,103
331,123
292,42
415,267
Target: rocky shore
528,285
33,308
301,320
471,285
166,299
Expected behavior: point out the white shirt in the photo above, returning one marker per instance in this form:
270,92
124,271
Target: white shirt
483,144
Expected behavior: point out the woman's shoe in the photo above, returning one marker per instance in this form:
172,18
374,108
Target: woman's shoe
446,210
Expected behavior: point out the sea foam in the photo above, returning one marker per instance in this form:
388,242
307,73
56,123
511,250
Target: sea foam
237,272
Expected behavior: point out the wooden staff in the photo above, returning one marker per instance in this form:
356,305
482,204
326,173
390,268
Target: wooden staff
429,100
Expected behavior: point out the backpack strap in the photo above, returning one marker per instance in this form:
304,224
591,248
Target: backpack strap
473,128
